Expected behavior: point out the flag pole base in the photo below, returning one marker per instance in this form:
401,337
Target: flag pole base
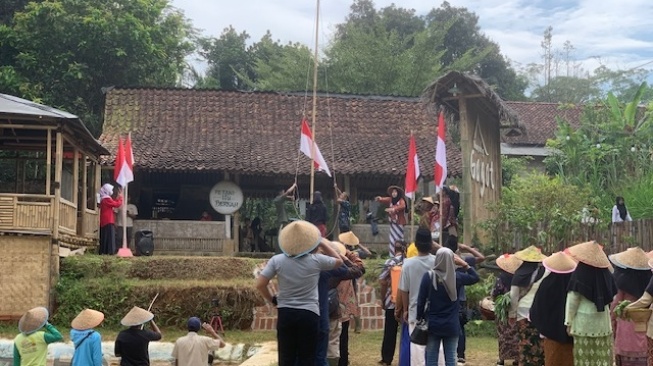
125,252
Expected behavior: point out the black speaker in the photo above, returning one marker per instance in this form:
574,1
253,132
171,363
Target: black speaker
144,240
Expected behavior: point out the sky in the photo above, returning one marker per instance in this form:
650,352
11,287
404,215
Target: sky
613,33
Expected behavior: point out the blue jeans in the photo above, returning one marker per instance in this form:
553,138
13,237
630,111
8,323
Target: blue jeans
433,349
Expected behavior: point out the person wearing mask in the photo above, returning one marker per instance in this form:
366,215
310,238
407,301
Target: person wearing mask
524,285
587,310
298,270
390,325
631,275
132,344
396,214
548,311
620,212
317,214
31,345
506,332
440,288
86,340
108,219
194,349
412,272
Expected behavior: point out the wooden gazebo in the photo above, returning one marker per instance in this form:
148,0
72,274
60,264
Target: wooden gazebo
49,174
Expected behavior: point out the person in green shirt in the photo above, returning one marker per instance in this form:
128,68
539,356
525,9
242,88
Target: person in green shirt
31,345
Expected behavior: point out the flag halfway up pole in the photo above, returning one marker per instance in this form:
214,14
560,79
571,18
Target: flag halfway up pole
305,146
124,171
412,169
440,170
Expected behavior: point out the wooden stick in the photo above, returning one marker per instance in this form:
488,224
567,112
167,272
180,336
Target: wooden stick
317,23
441,218
150,307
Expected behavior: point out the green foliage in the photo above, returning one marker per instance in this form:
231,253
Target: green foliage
512,167
502,307
480,290
481,328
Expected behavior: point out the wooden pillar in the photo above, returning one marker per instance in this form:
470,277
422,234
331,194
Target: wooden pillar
466,194
48,164
98,182
57,185
76,177
84,203
237,221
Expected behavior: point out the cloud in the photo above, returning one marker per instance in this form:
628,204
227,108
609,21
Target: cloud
601,31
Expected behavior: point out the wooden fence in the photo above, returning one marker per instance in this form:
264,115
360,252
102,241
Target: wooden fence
614,237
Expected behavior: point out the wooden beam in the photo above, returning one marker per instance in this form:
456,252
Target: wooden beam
57,185
465,146
464,96
26,127
84,204
76,177
48,165
98,182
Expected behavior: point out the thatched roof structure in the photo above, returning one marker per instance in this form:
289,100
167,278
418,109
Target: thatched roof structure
440,92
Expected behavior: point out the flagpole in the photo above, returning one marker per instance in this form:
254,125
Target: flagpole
441,218
124,216
317,23
124,251
412,200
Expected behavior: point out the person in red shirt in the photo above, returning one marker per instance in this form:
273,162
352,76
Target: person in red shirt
107,219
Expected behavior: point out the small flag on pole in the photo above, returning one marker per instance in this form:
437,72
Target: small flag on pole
412,169
124,171
440,170
305,146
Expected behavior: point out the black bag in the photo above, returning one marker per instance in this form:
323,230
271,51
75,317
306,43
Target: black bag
420,334
334,303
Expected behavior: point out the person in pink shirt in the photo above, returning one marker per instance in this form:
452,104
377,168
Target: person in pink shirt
107,219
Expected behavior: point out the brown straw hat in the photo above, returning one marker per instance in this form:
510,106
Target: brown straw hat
631,258
509,263
399,189
33,320
299,238
339,247
348,238
590,253
530,254
560,263
136,316
87,319
650,254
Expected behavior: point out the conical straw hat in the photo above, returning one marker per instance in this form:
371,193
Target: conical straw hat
399,189
530,254
509,263
348,238
632,258
136,316
590,253
339,247
87,319
33,320
650,254
560,263
299,238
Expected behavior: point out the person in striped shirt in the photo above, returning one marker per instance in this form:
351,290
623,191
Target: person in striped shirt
390,325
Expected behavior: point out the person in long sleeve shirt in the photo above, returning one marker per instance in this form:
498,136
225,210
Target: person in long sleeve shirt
31,345
107,219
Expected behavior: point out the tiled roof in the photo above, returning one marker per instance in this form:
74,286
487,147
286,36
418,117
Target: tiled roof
540,121
258,132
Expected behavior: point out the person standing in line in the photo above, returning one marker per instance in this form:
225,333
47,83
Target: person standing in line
31,345
108,219
132,213
344,214
620,212
396,213
548,311
472,258
87,341
412,272
587,310
440,288
298,270
645,302
390,325
316,213
132,344
193,349
506,332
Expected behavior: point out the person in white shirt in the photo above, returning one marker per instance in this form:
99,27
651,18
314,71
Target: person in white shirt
194,349
620,212
132,213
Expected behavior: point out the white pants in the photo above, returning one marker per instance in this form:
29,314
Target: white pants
333,349
418,353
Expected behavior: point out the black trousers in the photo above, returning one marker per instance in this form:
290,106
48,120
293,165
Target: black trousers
344,345
389,344
297,336
462,339
107,240
130,235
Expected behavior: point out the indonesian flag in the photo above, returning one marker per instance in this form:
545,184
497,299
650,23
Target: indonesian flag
124,171
412,170
440,170
306,147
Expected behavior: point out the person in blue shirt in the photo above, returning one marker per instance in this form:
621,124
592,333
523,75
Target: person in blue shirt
473,257
87,342
440,287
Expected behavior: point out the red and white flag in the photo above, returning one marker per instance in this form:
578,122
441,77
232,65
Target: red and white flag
440,170
306,147
123,172
412,170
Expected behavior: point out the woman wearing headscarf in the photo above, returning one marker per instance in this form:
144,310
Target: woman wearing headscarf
620,212
107,219
524,285
440,287
506,332
587,310
548,311
396,213
645,302
631,275
317,213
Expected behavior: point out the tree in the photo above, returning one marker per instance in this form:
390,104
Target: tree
63,52
228,57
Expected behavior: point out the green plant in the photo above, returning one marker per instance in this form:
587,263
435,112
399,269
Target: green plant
502,307
619,309
478,291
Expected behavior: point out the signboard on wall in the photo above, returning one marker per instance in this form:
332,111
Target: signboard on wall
226,197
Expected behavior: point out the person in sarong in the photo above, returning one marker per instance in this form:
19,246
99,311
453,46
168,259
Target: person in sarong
645,302
506,332
396,214
587,309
